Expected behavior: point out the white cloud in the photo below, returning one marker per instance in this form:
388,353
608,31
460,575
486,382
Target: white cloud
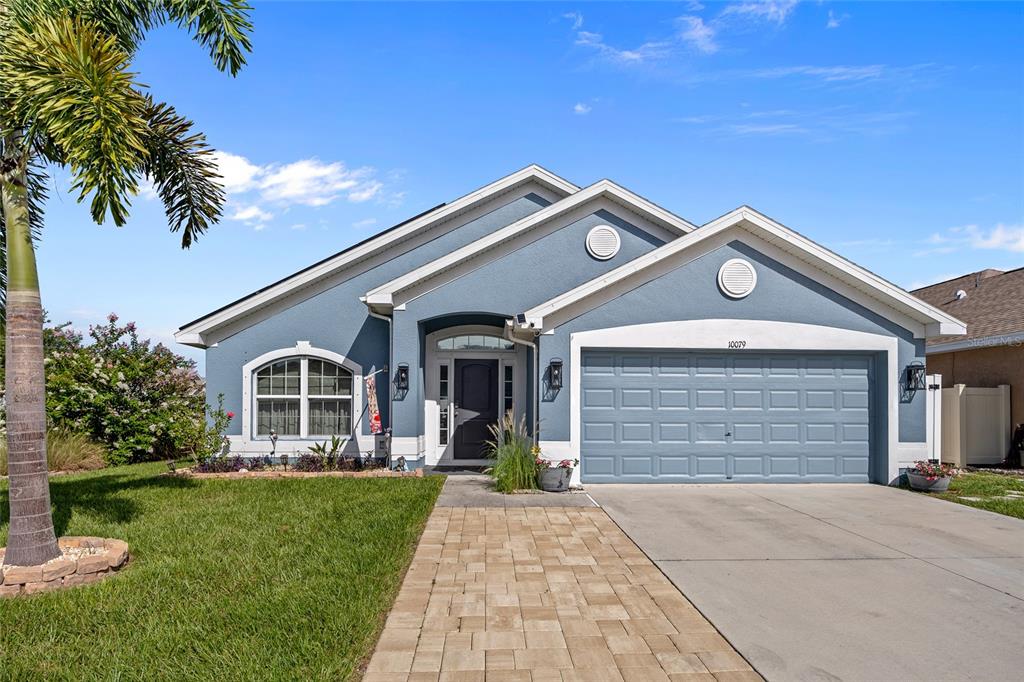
646,52
311,182
365,223
298,226
835,20
697,34
306,182
1002,237
821,125
825,73
576,18
692,31
238,174
775,11
581,108
252,215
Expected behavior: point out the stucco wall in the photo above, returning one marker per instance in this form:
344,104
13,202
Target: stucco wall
526,277
336,320
691,292
985,368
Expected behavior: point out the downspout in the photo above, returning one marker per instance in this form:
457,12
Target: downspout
391,393
535,398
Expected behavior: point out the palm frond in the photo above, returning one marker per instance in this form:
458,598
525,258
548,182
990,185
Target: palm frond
70,83
180,163
221,26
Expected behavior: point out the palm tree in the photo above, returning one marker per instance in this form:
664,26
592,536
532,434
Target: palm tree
67,98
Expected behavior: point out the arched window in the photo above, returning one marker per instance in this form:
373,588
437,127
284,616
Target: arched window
303,396
486,342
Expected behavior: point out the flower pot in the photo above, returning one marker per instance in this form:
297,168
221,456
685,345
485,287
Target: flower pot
920,482
554,480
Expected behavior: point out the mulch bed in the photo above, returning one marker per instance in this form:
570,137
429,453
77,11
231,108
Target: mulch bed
280,473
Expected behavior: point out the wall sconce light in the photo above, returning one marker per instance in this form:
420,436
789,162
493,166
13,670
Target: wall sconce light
402,377
555,374
915,380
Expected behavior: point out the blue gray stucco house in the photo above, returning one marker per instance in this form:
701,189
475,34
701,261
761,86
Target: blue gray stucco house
651,349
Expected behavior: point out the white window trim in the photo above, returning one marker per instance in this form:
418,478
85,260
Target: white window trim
762,335
305,351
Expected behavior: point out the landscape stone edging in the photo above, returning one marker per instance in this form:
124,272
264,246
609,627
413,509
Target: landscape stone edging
372,473
65,570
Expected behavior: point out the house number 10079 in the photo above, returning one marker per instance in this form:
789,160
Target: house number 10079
737,344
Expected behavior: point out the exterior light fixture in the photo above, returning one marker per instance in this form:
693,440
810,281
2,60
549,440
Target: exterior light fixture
915,379
402,377
555,374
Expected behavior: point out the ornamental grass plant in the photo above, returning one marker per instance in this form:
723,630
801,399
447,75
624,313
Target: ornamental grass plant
515,466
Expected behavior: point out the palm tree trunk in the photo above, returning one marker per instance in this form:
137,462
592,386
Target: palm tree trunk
30,539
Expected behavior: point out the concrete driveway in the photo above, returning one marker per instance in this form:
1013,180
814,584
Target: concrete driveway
839,582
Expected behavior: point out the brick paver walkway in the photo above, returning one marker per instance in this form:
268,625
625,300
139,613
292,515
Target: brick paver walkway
542,595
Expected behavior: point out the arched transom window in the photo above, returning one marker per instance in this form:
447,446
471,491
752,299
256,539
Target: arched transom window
487,342
303,396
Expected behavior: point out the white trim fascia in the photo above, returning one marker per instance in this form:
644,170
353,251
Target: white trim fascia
1014,339
384,296
302,349
895,299
195,334
760,335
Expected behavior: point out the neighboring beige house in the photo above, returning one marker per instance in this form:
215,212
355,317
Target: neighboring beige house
991,302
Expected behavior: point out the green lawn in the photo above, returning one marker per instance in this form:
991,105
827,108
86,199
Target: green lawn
990,489
229,580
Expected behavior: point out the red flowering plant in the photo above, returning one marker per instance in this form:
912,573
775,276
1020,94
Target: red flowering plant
564,464
933,471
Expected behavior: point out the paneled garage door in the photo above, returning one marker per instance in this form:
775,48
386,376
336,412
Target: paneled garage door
673,417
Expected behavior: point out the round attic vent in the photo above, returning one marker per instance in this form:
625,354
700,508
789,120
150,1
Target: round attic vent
603,242
737,278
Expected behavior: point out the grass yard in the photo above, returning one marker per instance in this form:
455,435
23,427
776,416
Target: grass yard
991,490
233,580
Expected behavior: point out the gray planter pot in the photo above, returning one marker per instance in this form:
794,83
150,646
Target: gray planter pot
919,482
554,480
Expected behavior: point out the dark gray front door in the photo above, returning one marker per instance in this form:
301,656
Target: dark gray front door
476,406
674,417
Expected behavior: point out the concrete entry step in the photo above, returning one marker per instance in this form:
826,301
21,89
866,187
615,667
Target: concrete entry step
477,490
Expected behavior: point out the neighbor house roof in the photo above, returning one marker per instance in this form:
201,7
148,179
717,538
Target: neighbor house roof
384,297
199,332
991,302
856,283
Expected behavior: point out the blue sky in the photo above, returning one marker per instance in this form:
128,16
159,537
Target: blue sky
892,133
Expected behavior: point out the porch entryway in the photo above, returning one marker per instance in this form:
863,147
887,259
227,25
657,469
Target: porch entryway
473,376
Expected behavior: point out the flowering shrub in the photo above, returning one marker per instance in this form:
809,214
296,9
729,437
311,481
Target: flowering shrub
142,402
933,471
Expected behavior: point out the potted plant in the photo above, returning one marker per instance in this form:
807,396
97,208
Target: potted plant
932,477
554,477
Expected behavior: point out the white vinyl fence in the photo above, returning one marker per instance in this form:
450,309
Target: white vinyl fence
976,426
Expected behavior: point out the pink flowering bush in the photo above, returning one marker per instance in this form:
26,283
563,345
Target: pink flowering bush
933,471
142,401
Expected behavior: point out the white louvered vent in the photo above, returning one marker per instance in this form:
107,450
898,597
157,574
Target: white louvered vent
603,242
737,278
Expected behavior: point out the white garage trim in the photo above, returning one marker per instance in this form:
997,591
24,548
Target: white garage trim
758,335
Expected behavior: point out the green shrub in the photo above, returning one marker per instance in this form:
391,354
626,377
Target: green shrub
65,451
515,464
142,402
